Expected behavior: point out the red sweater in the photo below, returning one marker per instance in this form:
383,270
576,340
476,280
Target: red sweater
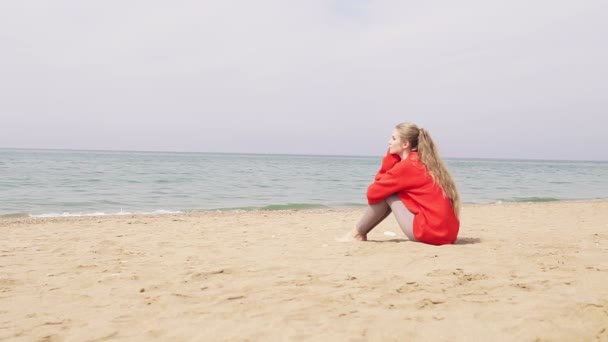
434,219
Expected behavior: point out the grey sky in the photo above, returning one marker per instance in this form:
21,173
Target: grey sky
502,79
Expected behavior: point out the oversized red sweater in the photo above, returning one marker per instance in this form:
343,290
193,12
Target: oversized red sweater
434,219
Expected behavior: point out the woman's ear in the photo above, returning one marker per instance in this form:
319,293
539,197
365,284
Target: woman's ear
406,145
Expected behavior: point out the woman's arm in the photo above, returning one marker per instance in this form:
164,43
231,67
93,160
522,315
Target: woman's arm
400,177
388,162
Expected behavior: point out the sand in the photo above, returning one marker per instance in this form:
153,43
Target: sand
518,272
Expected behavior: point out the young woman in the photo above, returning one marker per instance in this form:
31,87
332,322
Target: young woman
413,184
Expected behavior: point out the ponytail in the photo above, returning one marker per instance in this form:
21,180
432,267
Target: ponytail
431,159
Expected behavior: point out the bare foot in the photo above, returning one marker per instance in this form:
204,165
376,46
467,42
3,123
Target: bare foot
353,235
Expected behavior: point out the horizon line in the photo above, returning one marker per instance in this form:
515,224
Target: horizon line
291,154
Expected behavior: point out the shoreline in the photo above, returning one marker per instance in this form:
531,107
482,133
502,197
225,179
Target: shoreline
193,212
518,271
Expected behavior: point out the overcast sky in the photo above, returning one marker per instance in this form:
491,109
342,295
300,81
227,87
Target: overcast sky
499,79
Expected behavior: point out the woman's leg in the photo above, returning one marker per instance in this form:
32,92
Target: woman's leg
372,216
404,217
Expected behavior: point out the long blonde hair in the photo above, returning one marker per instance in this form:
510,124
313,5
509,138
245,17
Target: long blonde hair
420,140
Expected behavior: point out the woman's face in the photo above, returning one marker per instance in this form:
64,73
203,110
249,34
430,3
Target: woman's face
395,144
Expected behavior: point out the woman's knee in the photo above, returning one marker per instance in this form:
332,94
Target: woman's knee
392,199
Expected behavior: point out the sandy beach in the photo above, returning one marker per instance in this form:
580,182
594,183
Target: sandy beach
518,272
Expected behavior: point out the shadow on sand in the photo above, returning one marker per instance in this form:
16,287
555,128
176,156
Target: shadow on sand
467,241
459,241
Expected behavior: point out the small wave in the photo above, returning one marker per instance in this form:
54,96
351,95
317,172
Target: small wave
14,215
67,214
292,206
533,199
119,213
353,205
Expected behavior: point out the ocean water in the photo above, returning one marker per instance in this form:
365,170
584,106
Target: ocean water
64,182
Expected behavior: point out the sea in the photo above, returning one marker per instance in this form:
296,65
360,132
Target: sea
52,183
